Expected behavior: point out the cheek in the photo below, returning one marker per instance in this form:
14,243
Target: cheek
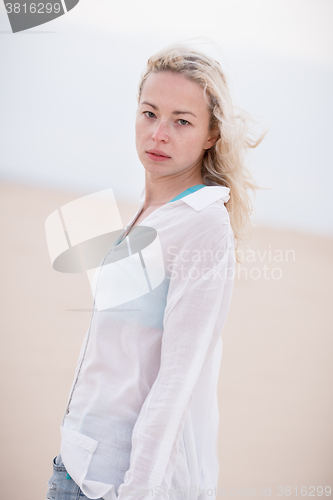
138,136
191,144
141,127
139,130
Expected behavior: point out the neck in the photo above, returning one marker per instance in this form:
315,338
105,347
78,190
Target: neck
159,191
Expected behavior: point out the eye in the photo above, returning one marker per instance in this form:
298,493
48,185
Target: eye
145,113
181,120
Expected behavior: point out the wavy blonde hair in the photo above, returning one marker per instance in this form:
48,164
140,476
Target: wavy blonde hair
224,162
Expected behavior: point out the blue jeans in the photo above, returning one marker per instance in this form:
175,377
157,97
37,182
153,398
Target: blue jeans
61,486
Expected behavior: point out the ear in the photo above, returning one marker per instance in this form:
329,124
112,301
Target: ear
213,138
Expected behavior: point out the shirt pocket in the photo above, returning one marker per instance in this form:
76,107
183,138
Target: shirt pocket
76,451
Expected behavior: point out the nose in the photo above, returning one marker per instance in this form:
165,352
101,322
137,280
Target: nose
161,133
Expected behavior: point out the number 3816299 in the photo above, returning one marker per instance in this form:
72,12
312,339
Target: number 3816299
32,8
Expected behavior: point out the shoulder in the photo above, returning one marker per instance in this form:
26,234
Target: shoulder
211,219
205,229
199,240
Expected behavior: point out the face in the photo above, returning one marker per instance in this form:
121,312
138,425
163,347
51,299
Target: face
172,120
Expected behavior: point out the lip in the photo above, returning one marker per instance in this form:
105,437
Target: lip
157,152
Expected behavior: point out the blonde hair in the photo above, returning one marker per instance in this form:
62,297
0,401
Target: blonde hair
224,162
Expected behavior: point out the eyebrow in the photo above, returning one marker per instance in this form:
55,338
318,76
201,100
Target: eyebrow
174,112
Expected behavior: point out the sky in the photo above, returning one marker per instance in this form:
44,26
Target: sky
68,90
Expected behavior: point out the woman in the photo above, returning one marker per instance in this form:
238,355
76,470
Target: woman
142,416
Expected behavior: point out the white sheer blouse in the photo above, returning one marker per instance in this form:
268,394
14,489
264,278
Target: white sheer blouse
142,415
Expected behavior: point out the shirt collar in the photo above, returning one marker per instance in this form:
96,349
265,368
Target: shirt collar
201,198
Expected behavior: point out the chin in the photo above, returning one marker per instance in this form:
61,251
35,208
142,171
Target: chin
153,166
152,169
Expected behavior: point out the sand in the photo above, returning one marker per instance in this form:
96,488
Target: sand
275,386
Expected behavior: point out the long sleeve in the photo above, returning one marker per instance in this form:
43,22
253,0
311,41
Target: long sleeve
201,280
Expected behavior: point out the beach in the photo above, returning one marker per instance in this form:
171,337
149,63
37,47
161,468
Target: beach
275,384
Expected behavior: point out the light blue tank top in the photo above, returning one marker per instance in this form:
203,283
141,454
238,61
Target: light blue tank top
188,191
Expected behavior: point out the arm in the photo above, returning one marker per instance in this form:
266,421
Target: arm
194,317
